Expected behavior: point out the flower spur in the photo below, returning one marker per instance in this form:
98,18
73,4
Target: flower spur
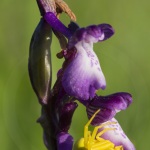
94,141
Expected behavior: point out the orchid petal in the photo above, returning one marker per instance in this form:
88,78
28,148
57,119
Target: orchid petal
83,76
93,33
108,105
117,136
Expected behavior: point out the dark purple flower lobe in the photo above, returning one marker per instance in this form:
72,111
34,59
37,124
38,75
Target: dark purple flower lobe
93,33
64,141
66,116
108,105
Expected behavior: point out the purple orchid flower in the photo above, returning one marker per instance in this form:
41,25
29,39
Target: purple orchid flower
83,75
109,106
79,78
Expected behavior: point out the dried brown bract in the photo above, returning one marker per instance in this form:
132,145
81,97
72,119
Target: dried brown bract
61,6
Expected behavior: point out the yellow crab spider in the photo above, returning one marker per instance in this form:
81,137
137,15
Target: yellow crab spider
94,141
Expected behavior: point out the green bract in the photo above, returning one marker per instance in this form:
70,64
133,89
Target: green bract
40,61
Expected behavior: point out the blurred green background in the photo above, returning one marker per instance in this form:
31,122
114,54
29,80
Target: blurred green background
124,59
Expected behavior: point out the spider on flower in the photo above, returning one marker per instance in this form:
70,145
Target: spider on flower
94,141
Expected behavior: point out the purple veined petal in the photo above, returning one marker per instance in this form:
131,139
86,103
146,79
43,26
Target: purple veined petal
118,101
118,137
64,141
108,105
56,24
103,116
83,76
92,34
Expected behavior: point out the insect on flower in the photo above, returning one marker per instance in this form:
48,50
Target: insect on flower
94,141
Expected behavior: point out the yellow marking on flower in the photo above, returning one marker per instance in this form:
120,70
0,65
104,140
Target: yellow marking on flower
94,141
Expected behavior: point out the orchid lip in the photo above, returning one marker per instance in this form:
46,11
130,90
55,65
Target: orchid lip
117,136
83,76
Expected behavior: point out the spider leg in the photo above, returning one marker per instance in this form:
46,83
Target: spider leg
94,141
103,131
86,132
103,145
